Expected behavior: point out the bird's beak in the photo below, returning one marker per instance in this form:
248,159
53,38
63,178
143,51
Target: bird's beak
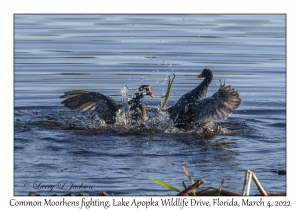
199,76
150,92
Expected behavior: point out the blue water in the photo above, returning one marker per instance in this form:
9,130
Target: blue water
103,53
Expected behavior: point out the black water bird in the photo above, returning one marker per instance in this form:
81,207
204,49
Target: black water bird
104,106
195,108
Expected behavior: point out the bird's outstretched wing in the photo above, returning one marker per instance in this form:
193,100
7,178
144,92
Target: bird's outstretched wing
84,101
216,107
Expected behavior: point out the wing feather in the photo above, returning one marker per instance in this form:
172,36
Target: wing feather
84,101
225,101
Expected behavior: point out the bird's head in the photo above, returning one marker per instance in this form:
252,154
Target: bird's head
146,90
205,73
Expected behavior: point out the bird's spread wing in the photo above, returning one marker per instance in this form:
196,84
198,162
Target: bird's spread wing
218,106
84,101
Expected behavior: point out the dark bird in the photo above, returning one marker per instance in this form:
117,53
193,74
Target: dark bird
195,108
105,107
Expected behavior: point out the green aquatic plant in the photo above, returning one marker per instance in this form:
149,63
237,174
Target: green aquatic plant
192,190
167,95
165,185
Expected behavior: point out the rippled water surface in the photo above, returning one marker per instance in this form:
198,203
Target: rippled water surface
103,53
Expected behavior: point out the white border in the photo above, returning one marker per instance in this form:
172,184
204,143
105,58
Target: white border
154,6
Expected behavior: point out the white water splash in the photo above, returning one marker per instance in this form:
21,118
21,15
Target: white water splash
124,98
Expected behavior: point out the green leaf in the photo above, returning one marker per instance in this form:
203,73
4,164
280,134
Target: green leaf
161,183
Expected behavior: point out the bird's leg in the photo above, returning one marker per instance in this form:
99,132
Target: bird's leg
164,106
